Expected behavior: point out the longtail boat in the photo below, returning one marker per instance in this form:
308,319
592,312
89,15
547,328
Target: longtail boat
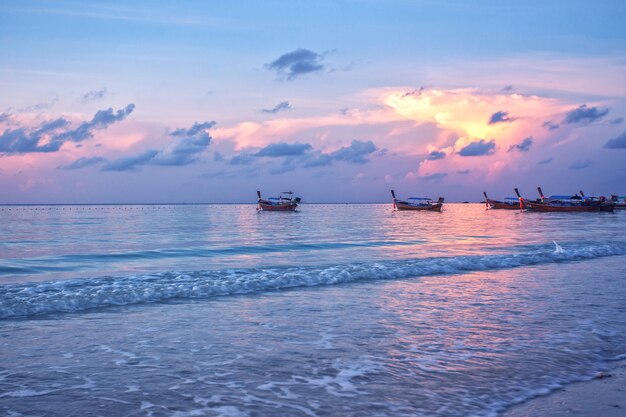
565,203
284,202
509,203
620,201
417,203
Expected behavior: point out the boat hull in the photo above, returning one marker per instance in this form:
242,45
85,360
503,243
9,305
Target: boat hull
408,207
278,207
547,207
499,205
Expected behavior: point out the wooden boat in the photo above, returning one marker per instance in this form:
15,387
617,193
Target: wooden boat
284,202
417,203
568,204
509,203
620,201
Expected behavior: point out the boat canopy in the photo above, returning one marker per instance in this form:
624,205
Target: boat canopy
514,199
565,197
420,198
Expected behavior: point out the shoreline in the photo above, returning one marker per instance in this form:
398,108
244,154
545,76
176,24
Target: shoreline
602,396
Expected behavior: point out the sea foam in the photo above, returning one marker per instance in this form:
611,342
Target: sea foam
31,299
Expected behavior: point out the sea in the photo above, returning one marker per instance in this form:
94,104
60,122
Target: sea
333,310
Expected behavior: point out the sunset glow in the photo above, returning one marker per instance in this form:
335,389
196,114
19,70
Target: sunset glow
317,115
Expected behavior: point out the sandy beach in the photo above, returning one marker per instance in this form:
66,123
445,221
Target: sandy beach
603,396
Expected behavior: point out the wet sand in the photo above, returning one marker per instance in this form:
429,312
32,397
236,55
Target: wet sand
603,396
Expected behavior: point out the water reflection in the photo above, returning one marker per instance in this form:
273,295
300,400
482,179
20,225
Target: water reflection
90,240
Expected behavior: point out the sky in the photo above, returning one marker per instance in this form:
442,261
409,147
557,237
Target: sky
338,101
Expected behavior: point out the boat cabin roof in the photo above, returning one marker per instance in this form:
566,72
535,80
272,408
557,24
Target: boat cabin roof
565,197
420,198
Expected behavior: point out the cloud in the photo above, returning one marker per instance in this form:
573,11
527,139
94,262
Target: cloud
279,149
435,177
40,139
480,148
319,161
501,117
584,114
550,125
218,157
296,63
507,88
130,162
464,172
434,155
522,147
184,150
618,142
288,165
302,155
83,162
580,164
241,159
617,121
40,106
283,105
545,161
355,153
194,129
101,120
4,117
94,95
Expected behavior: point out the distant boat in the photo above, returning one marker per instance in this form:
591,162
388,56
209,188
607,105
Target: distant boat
568,203
509,203
620,201
284,202
417,203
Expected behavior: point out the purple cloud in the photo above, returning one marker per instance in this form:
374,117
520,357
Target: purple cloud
501,117
83,162
480,148
580,164
283,105
94,95
279,149
434,155
618,142
550,125
584,114
524,146
184,150
356,153
296,63
101,120
50,136
438,176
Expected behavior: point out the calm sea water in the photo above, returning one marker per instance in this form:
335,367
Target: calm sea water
351,310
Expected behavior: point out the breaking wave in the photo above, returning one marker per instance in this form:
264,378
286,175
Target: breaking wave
32,299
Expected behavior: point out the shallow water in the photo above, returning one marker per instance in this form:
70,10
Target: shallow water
336,310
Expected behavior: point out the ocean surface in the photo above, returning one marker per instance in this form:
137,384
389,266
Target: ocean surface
335,310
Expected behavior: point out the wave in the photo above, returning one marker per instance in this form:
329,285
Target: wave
32,299
68,262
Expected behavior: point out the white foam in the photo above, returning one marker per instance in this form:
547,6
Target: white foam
343,383
20,300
